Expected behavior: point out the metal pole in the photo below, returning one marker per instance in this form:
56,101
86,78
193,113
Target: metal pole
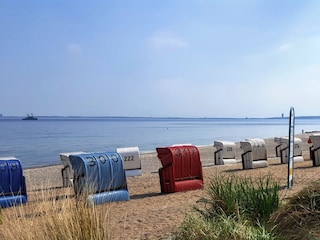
291,147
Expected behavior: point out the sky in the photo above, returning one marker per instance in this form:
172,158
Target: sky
160,58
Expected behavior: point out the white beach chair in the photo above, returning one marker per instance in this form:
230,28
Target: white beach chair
254,153
67,171
225,152
284,150
277,141
131,159
315,149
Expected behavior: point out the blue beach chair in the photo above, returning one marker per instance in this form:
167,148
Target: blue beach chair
100,176
12,183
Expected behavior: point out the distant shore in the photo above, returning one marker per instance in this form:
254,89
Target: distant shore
150,117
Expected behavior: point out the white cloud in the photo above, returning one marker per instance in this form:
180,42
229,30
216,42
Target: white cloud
167,39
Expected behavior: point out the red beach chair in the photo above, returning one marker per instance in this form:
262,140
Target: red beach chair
181,169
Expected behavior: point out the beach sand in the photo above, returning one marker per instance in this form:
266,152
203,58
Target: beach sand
152,215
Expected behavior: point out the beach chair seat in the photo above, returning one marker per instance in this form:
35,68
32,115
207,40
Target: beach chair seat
100,177
254,153
315,149
12,183
66,171
131,159
284,150
181,168
225,152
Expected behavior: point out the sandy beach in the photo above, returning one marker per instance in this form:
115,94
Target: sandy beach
152,215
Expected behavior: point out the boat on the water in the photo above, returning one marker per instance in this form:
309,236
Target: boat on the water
30,117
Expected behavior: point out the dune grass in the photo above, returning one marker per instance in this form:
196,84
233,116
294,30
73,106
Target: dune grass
234,208
221,227
299,217
252,199
47,216
241,208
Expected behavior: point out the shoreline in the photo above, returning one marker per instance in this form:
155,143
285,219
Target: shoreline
304,135
51,174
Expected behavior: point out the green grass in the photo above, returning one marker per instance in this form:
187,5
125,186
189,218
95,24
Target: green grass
241,208
222,226
252,199
234,208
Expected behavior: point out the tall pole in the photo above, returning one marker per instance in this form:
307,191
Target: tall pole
291,148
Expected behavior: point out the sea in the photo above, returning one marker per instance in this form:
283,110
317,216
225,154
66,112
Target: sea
38,142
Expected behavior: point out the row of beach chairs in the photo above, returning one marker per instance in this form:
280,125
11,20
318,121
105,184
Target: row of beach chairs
255,153
102,176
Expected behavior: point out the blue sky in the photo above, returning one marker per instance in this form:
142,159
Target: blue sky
164,58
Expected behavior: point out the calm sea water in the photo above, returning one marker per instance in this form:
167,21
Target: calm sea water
38,143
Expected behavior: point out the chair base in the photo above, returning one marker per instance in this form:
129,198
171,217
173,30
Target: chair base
229,161
255,164
259,164
295,159
104,197
133,172
10,201
187,185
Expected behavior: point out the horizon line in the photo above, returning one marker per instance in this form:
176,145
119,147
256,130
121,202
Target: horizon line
172,117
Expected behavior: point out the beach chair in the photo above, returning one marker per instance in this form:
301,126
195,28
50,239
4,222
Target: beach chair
100,177
131,159
225,152
254,153
12,183
181,168
315,149
284,150
66,171
278,145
